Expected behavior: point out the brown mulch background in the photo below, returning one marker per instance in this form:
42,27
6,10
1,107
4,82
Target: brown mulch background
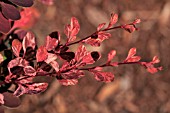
134,90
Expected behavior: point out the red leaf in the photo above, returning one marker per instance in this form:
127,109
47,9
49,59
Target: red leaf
29,70
1,99
80,53
42,54
72,30
131,53
9,11
51,57
5,24
28,41
67,82
155,60
133,59
87,59
100,26
111,55
103,76
129,28
29,16
11,100
73,74
47,2
16,47
136,21
51,43
113,20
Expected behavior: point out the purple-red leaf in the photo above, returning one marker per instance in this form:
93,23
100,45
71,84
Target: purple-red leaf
5,25
16,47
111,55
24,3
67,82
67,56
42,54
113,20
28,41
29,70
95,55
10,12
11,100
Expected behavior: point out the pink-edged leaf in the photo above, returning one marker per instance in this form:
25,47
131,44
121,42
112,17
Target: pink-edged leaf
2,109
1,99
51,43
55,65
113,20
155,60
11,100
36,88
136,21
103,76
133,59
17,62
20,91
129,28
9,11
28,41
87,59
51,57
131,53
24,3
111,55
29,70
100,26
67,82
75,27
5,24
42,54
9,78
16,47
72,30
80,53
47,2
103,35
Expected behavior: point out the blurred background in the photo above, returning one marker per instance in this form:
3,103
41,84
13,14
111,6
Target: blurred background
134,90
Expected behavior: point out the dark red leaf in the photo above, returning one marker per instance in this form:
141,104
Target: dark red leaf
111,55
67,56
55,35
16,47
11,100
28,41
42,54
29,70
95,55
5,24
67,82
10,12
113,20
24,3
